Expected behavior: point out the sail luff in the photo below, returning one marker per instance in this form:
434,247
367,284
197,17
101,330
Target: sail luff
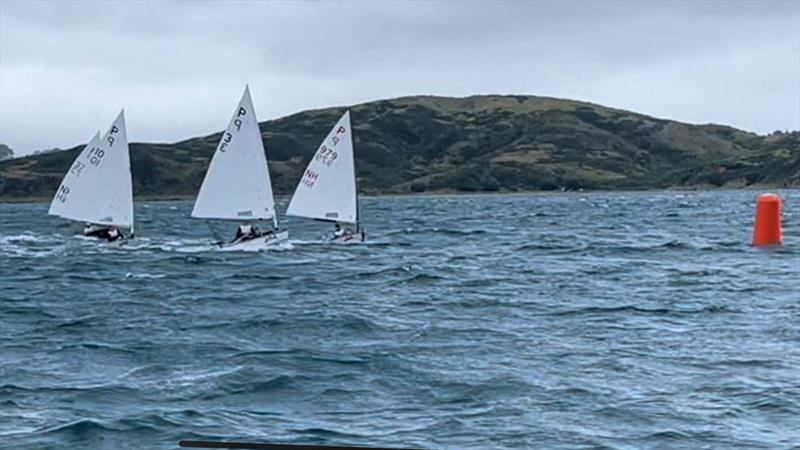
355,175
127,173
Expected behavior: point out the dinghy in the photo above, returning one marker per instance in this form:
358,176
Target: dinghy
328,189
98,189
237,184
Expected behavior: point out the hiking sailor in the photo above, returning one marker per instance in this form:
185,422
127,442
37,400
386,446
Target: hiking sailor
341,233
107,232
246,231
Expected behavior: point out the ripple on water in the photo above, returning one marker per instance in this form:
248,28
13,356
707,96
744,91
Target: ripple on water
591,320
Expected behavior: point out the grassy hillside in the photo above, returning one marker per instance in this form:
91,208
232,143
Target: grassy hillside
480,143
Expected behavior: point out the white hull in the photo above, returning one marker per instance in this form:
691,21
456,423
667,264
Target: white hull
102,240
352,239
259,243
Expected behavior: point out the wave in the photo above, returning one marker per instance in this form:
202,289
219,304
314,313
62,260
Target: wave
536,246
457,232
246,382
325,433
630,309
83,321
14,238
80,427
644,246
418,279
396,270
95,346
349,361
262,277
98,390
262,352
615,248
145,276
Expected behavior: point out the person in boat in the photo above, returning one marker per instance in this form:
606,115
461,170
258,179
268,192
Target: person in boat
246,231
113,234
107,232
341,233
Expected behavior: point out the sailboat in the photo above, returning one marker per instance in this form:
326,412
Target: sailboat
328,189
237,184
98,189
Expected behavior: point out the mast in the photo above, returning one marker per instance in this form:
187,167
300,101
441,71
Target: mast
355,176
130,174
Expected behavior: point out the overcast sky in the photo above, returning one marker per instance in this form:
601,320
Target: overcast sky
179,67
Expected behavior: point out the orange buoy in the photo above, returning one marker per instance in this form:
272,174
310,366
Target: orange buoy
767,227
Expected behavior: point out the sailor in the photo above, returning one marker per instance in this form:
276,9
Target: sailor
113,234
247,230
106,232
98,231
338,231
342,233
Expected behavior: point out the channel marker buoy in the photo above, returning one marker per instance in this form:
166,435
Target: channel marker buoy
767,226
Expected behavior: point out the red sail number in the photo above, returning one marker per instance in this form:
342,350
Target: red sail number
309,178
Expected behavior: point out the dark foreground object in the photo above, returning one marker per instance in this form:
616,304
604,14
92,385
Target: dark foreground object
265,446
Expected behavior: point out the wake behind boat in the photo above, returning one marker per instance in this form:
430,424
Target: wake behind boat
98,188
328,190
237,185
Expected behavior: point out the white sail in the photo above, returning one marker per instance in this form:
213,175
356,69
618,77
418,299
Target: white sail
327,189
237,183
98,186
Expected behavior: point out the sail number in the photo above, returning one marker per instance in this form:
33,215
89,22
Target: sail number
237,122
62,194
95,156
327,155
309,178
77,168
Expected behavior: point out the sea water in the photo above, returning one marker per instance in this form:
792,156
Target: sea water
558,321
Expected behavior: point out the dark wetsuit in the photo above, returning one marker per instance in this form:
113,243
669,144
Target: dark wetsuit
105,233
241,235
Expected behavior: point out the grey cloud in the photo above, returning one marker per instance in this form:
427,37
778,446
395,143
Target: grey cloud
179,67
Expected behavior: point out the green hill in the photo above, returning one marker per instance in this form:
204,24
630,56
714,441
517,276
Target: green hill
479,143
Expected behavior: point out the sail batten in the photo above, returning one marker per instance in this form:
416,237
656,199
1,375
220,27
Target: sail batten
98,187
237,184
327,189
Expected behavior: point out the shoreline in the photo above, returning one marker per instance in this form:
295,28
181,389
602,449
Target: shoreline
448,193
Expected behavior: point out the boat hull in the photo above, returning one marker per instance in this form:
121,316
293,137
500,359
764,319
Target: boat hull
259,243
352,239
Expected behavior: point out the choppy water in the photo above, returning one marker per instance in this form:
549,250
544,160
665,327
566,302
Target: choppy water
564,321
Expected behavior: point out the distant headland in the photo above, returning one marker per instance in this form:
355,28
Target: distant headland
486,143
